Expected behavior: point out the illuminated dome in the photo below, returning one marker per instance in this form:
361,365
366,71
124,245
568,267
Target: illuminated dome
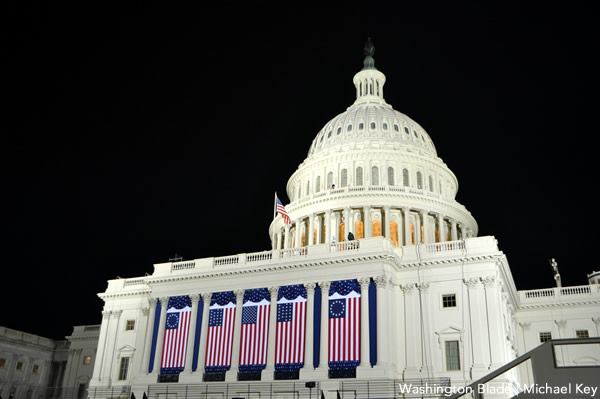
372,171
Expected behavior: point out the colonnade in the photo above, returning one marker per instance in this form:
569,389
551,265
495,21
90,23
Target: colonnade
152,365
404,226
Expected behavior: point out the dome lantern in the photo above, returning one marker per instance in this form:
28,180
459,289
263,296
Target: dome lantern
369,81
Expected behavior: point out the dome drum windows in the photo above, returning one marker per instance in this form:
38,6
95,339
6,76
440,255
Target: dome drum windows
330,180
359,176
385,126
361,126
318,184
419,180
344,178
405,178
430,183
374,176
396,128
390,176
349,128
373,125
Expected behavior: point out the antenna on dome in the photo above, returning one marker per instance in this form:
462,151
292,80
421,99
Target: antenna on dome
554,266
369,61
176,258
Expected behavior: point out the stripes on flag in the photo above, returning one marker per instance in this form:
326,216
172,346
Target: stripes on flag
281,210
344,324
177,327
255,329
290,328
221,318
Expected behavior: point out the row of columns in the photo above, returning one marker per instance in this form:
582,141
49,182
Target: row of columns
365,360
282,239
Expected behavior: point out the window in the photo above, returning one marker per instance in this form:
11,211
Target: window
385,126
430,183
374,176
35,369
19,366
449,300
373,125
339,130
396,128
2,363
415,133
440,186
406,130
419,180
330,180
87,360
349,128
359,176
391,176
452,356
329,134
318,184
545,336
124,368
344,178
361,126
582,334
405,180
308,188
130,325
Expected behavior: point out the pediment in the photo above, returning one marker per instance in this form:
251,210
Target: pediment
126,349
449,331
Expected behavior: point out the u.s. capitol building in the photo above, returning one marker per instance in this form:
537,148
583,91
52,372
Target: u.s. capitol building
414,294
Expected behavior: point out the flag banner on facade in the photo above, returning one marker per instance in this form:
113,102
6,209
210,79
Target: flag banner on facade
344,324
290,331
221,317
255,329
177,328
281,210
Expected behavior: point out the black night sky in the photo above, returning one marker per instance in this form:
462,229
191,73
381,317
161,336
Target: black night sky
140,132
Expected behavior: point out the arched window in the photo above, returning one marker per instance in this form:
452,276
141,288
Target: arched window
430,183
405,180
349,128
396,127
406,130
361,126
373,125
299,191
329,180
384,126
390,176
374,176
318,184
308,187
329,134
344,178
359,176
440,186
419,180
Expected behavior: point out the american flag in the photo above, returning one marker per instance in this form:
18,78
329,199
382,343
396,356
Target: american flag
344,324
281,210
290,332
179,313
221,317
255,329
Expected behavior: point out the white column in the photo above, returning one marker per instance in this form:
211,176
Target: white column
441,227
189,357
453,231
117,315
406,217
311,229
324,351
412,332
288,236
382,349
347,224
425,222
97,375
327,221
476,306
279,238
164,301
368,227
386,219
365,354
297,234
203,332
398,319
270,369
310,318
320,221
235,351
149,312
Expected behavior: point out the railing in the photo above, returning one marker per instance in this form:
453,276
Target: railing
285,253
410,388
263,390
226,260
123,392
580,291
259,256
345,246
444,246
136,281
183,266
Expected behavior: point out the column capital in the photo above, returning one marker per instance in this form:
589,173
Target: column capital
423,286
381,281
596,320
407,288
488,281
152,300
310,287
364,281
206,296
273,290
195,298
117,312
163,300
525,324
106,313
239,294
560,323
471,282
325,285
145,311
